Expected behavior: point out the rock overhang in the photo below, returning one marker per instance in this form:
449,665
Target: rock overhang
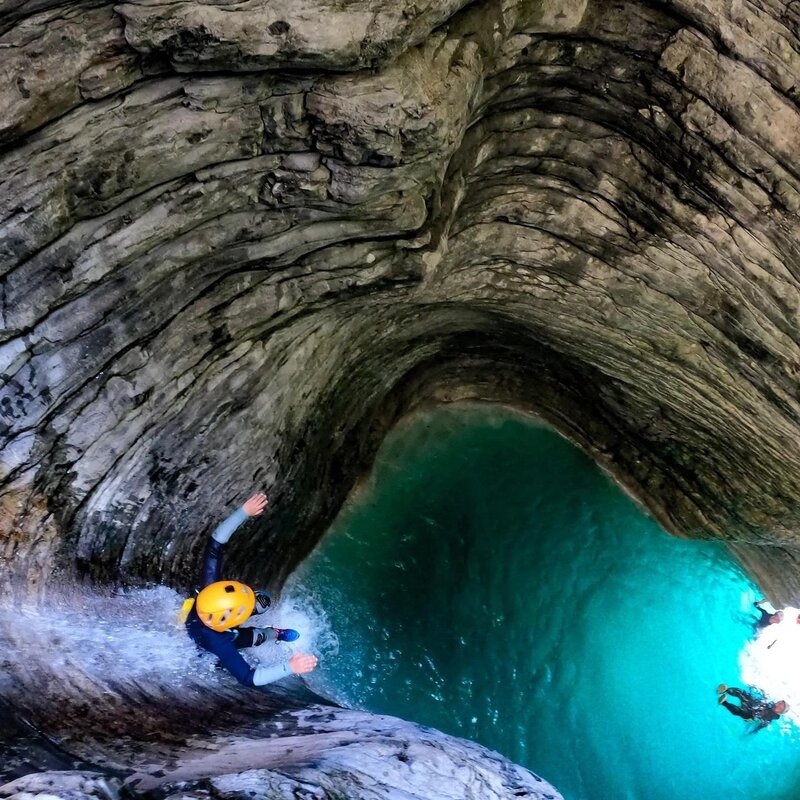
187,244
234,258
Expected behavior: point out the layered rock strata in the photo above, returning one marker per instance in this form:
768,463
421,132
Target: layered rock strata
331,754
239,239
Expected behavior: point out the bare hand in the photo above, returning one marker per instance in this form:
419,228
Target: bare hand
255,505
300,663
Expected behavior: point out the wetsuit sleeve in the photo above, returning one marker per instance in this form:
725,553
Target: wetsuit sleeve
225,650
212,564
224,531
212,560
265,675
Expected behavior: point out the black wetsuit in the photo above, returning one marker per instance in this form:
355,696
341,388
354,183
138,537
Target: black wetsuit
752,708
764,620
225,645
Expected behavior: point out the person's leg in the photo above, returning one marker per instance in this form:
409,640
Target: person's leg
245,637
273,634
733,691
750,705
266,635
253,637
735,710
263,601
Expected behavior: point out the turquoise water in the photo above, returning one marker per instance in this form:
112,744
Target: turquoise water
490,581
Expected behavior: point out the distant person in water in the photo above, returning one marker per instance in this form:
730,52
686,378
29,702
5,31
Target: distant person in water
751,707
222,605
767,617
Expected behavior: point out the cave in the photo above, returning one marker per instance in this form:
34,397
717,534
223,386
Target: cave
240,241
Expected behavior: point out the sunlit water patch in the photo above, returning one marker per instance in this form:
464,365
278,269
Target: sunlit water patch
771,661
492,582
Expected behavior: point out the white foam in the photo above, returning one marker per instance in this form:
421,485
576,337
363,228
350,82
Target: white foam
102,641
771,663
87,643
293,611
304,610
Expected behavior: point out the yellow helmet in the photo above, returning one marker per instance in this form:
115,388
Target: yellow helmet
225,604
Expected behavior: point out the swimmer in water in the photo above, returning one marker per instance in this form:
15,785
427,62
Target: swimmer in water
767,617
751,707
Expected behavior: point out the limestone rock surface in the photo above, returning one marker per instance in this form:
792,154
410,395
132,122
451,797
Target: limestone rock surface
317,753
240,238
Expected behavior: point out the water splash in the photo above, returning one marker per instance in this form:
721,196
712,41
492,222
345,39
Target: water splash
770,663
126,652
297,610
303,610
100,640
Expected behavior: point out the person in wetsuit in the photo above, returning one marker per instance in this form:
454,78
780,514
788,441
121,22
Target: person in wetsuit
751,708
223,605
766,617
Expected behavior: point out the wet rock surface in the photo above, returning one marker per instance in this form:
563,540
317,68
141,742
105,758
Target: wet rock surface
239,240
314,754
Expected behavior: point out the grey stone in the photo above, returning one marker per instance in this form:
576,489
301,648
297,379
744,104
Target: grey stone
66,785
239,240
249,35
55,60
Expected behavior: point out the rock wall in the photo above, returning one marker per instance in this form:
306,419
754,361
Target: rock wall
234,234
332,754
239,239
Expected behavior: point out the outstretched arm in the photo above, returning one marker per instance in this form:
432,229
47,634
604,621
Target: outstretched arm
212,561
230,658
252,508
298,664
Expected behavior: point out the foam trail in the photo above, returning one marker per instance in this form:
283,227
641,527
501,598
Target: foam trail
771,663
127,636
127,650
